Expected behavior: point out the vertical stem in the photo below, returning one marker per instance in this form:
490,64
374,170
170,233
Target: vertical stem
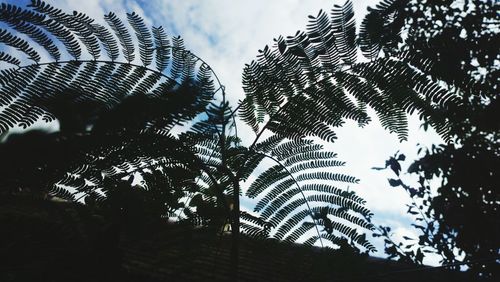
235,228
235,221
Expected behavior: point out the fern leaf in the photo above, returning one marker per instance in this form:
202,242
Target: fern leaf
144,38
20,19
162,47
344,29
179,57
300,231
291,223
63,35
78,23
381,28
123,36
7,75
20,44
9,59
106,38
322,36
266,179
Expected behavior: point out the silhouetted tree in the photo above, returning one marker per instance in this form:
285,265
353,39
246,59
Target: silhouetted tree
116,114
459,40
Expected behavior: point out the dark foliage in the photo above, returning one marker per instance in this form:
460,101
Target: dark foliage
115,117
460,41
318,70
307,84
116,107
43,89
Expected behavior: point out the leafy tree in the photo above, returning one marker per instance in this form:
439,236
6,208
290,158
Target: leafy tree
117,112
459,40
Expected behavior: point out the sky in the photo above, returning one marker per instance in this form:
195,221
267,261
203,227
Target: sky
227,34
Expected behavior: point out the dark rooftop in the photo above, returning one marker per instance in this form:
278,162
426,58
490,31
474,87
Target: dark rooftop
46,241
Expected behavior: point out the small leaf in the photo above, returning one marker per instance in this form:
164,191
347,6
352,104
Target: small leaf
394,165
395,182
418,226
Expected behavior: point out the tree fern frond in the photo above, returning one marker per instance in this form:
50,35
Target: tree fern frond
321,34
145,85
10,116
315,164
352,233
329,189
20,19
288,199
61,192
15,81
344,30
123,36
247,113
291,223
144,38
304,228
7,75
308,156
81,26
78,23
381,28
290,148
9,59
108,41
341,202
311,82
266,179
65,36
254,219
179,56
20,44
276,218
272,194
106,82
269,143
162,47
343,213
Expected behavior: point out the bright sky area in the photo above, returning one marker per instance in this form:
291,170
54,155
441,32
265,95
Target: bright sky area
228,33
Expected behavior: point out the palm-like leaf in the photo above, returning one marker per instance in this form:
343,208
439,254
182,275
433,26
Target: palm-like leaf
115,115
308,84
381,28
318,73
292,191
28,92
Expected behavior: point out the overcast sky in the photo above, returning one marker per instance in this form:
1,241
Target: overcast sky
228,33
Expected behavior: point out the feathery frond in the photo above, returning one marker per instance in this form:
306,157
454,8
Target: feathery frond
123,36
291,192
309,83
29,91
144,38
163,48
20,44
